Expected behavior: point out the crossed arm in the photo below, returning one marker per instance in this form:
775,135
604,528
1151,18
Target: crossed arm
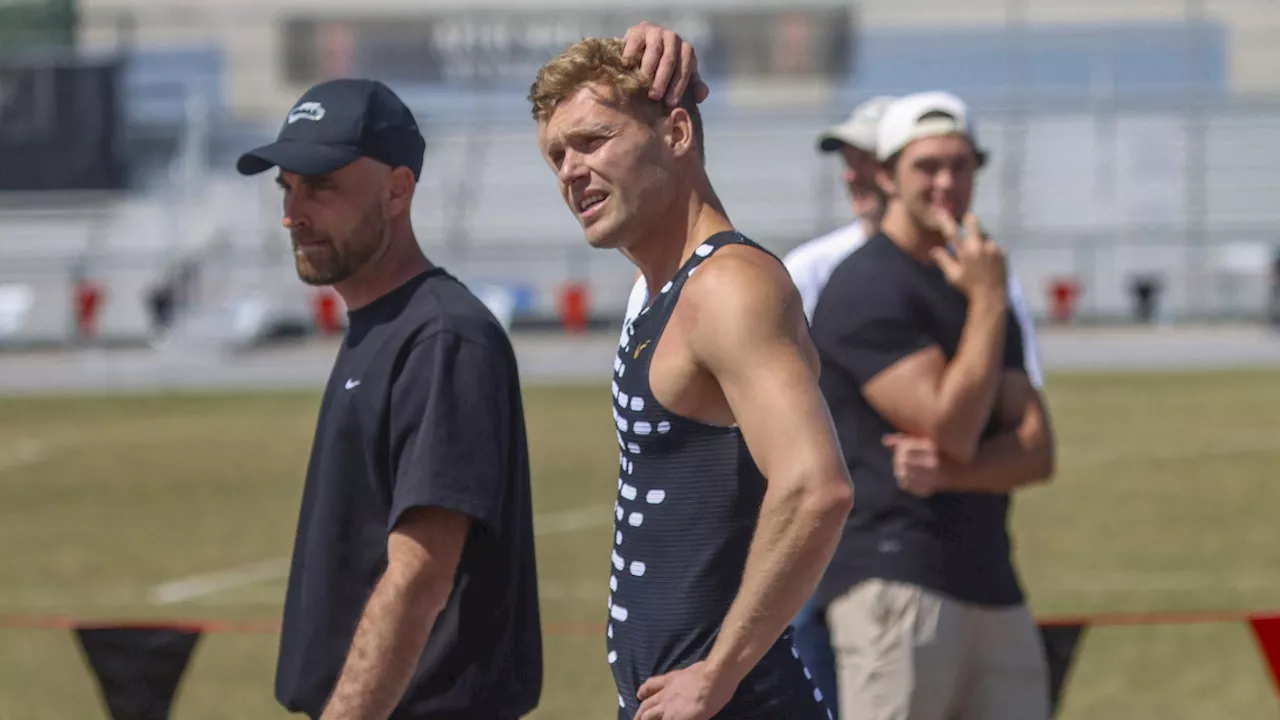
1022,453
947,405
924,395
750,334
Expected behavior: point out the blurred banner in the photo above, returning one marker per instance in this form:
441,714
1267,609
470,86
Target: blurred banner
504,49
1060,643
36,23
138,669
58,125
1266,630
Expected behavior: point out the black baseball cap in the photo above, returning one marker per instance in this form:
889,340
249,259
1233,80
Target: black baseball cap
335,123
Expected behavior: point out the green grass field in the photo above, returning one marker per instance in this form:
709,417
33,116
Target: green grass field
1166,499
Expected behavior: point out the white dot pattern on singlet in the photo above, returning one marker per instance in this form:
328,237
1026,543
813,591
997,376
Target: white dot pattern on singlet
634,432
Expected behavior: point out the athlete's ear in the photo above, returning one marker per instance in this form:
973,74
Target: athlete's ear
399,191
677,132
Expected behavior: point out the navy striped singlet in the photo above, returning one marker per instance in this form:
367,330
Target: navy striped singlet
689,497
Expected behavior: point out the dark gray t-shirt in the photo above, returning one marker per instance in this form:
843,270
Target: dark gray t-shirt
423,409
880,306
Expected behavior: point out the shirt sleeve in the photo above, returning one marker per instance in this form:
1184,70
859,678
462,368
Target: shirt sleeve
1031,357
863,334
451,418
1014,350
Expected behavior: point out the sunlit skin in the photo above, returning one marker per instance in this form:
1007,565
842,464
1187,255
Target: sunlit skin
734,351
603,153
933,176
865,196
350,229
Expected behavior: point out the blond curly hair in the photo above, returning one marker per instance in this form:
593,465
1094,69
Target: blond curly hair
598,61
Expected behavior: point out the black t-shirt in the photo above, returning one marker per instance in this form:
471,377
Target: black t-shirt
423,408
880,306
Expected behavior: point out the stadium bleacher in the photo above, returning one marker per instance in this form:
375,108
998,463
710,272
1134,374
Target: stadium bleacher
1104,188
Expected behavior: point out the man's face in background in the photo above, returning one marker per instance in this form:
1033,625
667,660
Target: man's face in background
866,197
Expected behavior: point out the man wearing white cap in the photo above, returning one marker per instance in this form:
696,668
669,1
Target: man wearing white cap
811,265
924,370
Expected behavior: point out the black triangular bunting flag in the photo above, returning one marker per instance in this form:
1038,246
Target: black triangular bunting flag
1060,643
138,669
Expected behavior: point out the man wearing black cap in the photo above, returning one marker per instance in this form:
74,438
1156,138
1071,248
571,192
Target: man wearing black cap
412,593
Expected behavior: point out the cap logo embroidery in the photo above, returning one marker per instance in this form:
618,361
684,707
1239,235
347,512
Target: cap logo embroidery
306,111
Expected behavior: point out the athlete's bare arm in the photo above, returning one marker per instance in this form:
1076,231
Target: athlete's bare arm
422,558
743,324
950,403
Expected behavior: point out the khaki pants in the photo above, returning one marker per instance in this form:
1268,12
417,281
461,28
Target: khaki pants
905,653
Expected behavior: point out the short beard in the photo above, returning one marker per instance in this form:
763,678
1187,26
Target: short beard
345,257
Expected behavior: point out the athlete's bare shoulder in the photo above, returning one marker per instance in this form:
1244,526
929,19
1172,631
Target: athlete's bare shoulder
738,275
740,299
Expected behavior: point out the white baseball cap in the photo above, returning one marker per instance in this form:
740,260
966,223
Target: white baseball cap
922,115
859,130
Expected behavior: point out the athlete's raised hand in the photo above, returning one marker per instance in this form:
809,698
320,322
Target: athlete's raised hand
667,60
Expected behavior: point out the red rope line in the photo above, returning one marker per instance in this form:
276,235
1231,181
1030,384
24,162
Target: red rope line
569,629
